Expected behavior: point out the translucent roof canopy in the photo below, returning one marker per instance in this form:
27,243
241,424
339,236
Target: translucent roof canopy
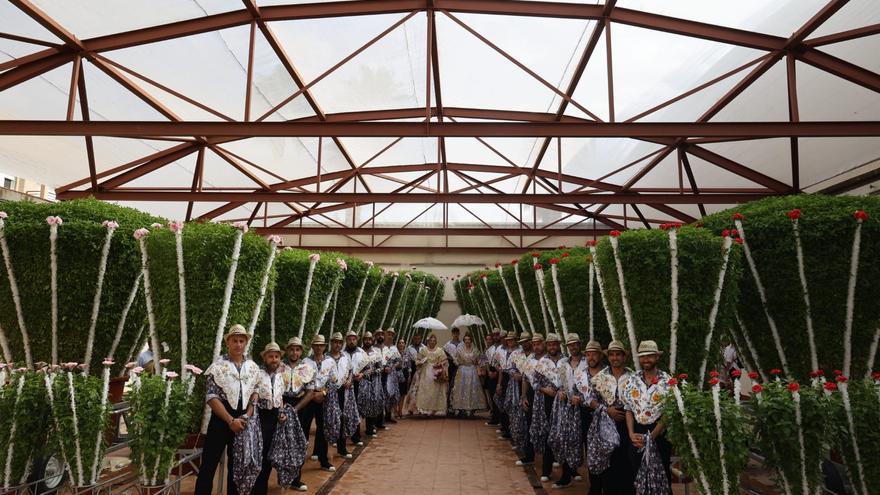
514,115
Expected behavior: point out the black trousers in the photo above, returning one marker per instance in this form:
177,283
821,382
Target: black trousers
218,438
491,384
357,434
548,458
502,415
380,420
529,449
340,442
268,423
314,410
663,447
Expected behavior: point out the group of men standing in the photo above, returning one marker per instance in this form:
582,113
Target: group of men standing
547,401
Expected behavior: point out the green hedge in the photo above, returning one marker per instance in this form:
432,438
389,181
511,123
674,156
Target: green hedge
826,229
526,267
510,278
502,304
292,269
378,309
865,406
29,412
80,241
207,252
574,279
645,259
346,295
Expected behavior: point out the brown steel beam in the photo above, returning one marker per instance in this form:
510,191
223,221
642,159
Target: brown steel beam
841,68
507,250
29,70
636,130
367,198
844,35
432,231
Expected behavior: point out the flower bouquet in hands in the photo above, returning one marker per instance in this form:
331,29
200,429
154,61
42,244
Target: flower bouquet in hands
439,373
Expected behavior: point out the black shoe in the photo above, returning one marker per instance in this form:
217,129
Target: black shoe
506,436
392,421
493,423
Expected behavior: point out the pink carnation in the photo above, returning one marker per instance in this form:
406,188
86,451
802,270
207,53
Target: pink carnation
175,226
110,224
195,370
141,233
164,362
275,239
314,257
2,365
21,370
130,365
342,264
241,226
170,375
107,362
3,215
84,366
156,225
137,370
70,365
54,220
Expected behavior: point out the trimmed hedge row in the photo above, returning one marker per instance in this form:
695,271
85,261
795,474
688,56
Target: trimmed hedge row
79,244
826,227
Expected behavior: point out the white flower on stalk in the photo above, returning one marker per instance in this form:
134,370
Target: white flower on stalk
156,225
275,239
54,220
314,257
175,226
170,375
342,264
241,226
141,233
110,224
195,370
369,264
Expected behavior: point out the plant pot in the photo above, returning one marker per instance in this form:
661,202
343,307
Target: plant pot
117,388
150,490
84,490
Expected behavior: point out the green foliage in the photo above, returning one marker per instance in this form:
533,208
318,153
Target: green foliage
645,259
826,229
526,268
701,426
510,278
291,272
776,428
157,427
80,436
502,304
864,398
29,413
207,254
349,287
79,244
574,285
374,319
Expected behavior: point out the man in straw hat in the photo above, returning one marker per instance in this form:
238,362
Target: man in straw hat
547,384
528,387
594,358
350,420
606,389
512,398
230,392
315,410
502,356
490,368
271,391
644,407
380,379
299,377
567,445
391,374
357,361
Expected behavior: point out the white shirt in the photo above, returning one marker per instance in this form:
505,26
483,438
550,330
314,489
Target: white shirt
326,372
568,373
357,359
452,347
343,367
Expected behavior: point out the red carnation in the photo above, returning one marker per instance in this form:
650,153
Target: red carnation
614,233
725,233
513,262
713,382
734,233
483,275
794,214
562,246
776,371
591,242
665,226
830,386
536,255
753,375
538,266
861,215
817,373
553,261
470,286
841,379
498,265
565,255
654,380
793,387
757,388
714,374
736,373
672,382
875,375
737,216
682,376
738,240
837,372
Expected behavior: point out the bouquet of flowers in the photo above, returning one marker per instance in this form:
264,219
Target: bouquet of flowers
439,373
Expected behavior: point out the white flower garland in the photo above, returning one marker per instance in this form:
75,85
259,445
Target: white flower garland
680,402
53,282
673,292
49,380
713,313
313,260
509,297
80,481
591,319
600,283
357,301
366,315
272,318
737,391
8,471
522,298
227,293
844,394
763,295
120,327
388,301
850,297
494,309
716,407
542,298
796,397
134,347
274,241
16,298
177,228
105,389
627,310
814,360
559,305
872,352
140,234
96,303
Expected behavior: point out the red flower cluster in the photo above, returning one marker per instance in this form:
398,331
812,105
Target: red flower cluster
753,375
841,379
794,214
757,388
498,265
470,286
713,382
562,246
738,240
682,376
714,374
837,372
776,371
591,243
698,225
672,225
817,373
565,255
737,216
861,215
876,375
553,261
513,262
538,266
614,233
830,386
672,382
536,255
483,275
793,387
736,373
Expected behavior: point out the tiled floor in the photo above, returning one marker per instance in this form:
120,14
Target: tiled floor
436,456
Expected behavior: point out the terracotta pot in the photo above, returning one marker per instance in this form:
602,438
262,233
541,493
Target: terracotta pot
117,388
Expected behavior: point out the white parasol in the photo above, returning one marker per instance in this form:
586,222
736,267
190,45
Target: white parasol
430,324
467,321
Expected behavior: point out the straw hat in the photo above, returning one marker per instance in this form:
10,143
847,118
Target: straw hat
525,337
615,345
390,330
318,340
593,346
236,330
552,337
648,348
352,332
573,338
367,335
511,335
270,347
294,341
336,336
496,331
379,330
537,337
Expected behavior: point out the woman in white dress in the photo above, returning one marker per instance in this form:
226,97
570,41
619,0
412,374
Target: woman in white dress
467,393
432,367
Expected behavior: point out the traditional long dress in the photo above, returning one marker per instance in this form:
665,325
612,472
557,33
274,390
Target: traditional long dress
467,393
432,369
